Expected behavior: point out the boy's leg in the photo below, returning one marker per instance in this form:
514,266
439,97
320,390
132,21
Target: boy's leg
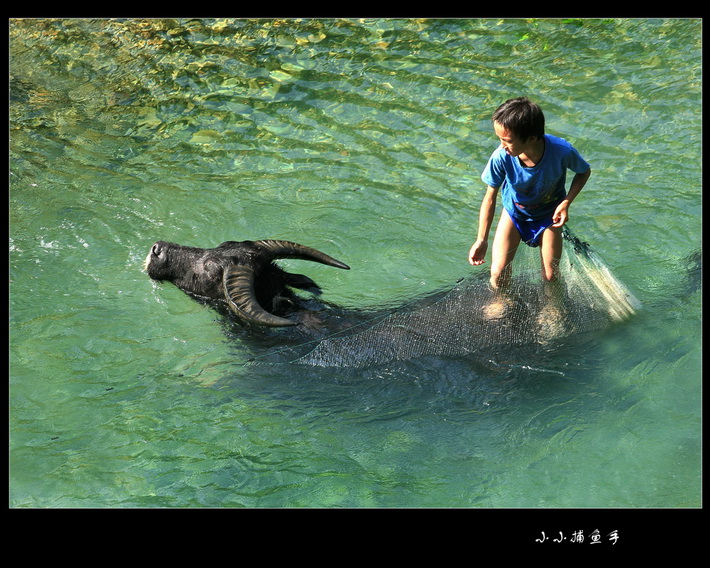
505,242
550,318
551,253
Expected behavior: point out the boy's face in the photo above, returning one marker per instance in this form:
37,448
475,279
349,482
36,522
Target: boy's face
511,143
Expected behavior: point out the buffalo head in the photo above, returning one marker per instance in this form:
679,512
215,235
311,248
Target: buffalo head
242,274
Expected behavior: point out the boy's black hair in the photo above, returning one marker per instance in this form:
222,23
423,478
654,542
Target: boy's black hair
522,117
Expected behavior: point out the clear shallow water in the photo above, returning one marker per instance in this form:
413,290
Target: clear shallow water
365,139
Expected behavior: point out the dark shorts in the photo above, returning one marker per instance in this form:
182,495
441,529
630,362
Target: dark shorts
531,231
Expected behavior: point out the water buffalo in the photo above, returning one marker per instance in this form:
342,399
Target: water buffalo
241,274
450,322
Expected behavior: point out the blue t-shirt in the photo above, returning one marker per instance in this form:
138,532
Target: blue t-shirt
533,193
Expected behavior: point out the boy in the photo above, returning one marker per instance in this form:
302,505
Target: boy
530,167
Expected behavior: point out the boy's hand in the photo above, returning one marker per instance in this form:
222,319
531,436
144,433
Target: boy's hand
477,254
561,215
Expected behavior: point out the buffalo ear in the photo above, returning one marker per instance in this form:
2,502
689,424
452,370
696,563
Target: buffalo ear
303,283
238,284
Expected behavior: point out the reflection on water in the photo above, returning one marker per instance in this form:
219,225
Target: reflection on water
365,138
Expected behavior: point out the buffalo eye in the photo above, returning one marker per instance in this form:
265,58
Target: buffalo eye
211,266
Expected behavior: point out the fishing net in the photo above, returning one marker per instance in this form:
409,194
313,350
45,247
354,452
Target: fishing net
470,317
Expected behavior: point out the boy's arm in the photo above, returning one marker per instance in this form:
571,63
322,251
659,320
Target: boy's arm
477,253
561,215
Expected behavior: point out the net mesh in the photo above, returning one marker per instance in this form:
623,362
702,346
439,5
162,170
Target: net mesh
470,317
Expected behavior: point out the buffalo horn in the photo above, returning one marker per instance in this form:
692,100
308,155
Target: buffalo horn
239,287
287,249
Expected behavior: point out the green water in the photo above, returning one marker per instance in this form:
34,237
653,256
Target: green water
366,139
